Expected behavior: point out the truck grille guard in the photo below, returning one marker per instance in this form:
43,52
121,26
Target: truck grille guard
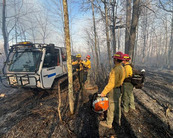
24,80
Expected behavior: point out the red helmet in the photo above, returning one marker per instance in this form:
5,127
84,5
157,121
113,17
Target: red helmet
126,57
118,55
88,56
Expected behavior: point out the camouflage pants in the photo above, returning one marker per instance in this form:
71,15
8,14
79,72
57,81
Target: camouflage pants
128,97
114,109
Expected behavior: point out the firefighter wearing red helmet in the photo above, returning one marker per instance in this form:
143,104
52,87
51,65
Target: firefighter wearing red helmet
113,89
87,65
128,97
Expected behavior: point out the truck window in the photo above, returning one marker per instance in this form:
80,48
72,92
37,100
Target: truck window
64,58
63,54
26,61
51,59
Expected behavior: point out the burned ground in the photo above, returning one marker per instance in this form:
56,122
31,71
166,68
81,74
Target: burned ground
27,114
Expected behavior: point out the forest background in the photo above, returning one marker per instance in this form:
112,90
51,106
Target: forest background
97,27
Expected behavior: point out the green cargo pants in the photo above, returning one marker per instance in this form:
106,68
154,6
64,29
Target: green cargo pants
88,75
114,109
128,97
80,76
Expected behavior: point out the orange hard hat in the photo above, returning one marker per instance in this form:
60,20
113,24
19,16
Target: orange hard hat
126,57
118,55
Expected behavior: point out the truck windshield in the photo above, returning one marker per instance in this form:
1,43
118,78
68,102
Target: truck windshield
26,61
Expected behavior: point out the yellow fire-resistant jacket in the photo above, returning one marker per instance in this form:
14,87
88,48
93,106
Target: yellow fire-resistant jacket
87,64
79,63
116,78
128,70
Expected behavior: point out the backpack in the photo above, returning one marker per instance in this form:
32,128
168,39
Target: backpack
137,78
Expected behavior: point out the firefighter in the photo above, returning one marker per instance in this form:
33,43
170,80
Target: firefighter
87,65
113,89
128,97
79,68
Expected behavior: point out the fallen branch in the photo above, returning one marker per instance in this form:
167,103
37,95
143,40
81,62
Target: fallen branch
59,95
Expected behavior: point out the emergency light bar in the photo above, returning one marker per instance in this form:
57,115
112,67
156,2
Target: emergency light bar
30,45
24,43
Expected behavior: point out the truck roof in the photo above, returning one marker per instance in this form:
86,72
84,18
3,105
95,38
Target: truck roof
30,45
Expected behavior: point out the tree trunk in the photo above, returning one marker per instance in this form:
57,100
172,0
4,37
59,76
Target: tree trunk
92,50
4,29
156,52
118,38
145,33
94,59
135,48
107,35
99,49
113,28
135,18
16,34
128,19
95,42
170,45
149,48
68,49
166,42
90,44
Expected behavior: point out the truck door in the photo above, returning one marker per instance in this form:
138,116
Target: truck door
51,68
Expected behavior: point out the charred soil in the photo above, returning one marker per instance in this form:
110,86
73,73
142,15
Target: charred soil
27,114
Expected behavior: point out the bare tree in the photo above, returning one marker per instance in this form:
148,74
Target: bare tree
144,32
128,23
113,5
107,34
95,39
14,21
43,25
4,28
134,24
166,39
170,44
68,48
170,10
90,42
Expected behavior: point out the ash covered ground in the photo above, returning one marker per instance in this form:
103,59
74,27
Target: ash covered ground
24,113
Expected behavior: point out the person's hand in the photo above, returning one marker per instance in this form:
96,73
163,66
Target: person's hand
102,95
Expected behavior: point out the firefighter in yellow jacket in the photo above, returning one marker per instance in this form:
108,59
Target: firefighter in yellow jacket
128,97
113,89
87,65
79,68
